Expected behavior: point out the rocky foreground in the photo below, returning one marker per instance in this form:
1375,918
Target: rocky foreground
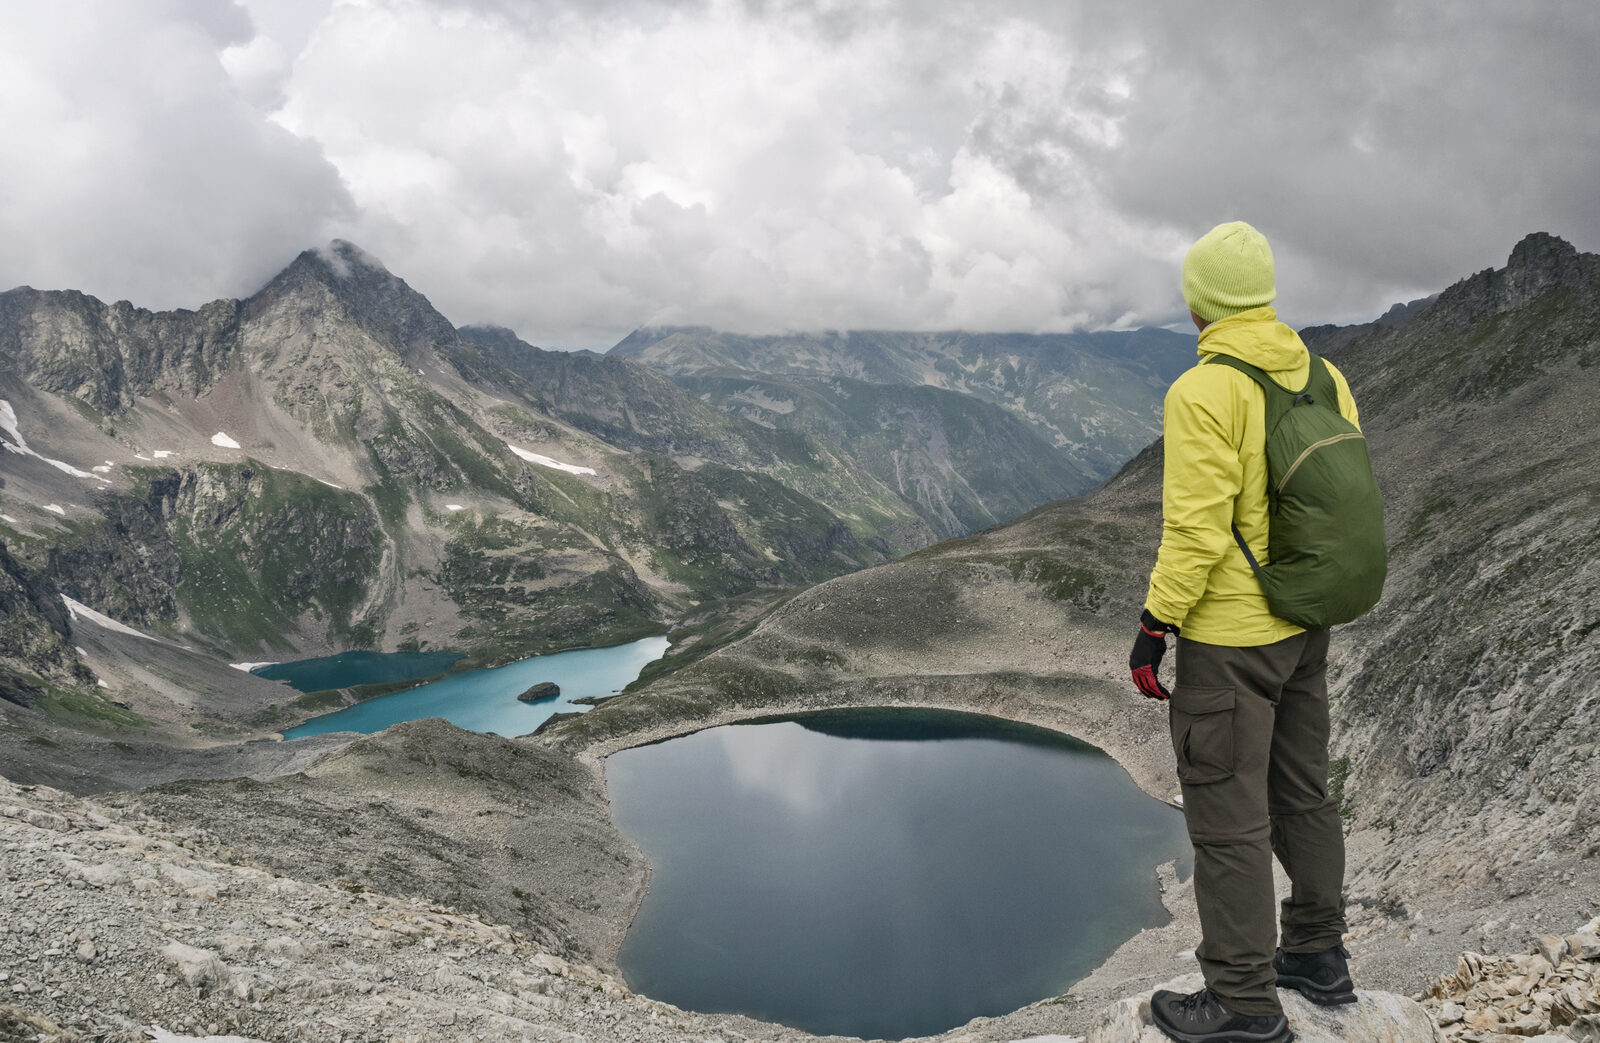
117,927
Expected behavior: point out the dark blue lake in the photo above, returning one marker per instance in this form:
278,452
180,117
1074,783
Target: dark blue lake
883,873
352,668
486,700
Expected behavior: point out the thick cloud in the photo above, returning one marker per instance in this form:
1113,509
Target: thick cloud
132,167
577,169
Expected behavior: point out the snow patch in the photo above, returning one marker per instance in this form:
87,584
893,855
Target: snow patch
330,484
221,438
55,507
102,469
249,667
162,454
545,461
76,610
8,424
102,684
454,507
140,456
9,520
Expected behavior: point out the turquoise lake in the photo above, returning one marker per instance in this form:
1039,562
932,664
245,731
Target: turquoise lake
479,700
883,874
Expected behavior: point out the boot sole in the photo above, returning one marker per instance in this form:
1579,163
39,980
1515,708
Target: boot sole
1323,996
1284,1036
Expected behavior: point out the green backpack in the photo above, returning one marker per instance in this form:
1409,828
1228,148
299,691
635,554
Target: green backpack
1325,546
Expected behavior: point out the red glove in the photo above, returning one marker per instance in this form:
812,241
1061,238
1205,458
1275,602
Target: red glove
1148,648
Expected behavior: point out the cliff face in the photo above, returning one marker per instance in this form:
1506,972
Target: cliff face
110,356
35,633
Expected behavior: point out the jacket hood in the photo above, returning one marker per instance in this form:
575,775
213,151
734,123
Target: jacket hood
1257,337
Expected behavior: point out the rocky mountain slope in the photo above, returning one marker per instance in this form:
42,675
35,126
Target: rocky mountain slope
1095,396
331,464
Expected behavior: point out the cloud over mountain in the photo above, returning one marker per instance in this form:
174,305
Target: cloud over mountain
575,170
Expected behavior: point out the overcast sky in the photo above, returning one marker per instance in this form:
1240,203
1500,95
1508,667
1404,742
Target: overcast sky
574,169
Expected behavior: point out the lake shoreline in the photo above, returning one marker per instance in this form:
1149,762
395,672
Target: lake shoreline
455,669
1043,833
1092,710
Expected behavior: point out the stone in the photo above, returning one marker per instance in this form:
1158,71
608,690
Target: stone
1552,947
540,692
1585,945
1451,1013
1375,1017
104,875
198,967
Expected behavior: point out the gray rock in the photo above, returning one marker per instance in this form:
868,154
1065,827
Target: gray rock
1375,1017
199,967
1552,947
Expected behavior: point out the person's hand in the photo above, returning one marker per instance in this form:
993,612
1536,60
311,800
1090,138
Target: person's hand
1148,648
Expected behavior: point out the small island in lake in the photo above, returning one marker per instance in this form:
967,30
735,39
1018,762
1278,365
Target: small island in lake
540,692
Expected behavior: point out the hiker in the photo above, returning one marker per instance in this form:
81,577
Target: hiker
1249,709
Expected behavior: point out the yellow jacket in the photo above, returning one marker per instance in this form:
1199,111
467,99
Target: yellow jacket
1216,476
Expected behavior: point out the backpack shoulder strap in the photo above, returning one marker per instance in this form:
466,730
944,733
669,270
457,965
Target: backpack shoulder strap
1279,399
1320,385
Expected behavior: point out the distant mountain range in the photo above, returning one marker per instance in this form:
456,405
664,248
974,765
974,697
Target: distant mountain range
330,464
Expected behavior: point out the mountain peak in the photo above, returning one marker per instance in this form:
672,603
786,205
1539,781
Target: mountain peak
371,294
1540,262
345,258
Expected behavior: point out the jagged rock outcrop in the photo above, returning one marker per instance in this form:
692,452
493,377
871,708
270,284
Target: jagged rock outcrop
1375,1017
1551,991
35,634
109,356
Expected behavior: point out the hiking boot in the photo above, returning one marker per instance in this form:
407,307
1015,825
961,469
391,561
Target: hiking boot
1321,977
1200,1017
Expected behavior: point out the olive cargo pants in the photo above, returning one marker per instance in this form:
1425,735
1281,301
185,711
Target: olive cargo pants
1250,730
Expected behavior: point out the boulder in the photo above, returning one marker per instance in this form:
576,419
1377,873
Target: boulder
540,692
1375,1017
198,967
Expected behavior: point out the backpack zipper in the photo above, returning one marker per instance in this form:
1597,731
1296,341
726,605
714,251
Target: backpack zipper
1308,451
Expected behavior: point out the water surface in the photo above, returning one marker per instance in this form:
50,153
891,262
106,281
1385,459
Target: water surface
883,873
347,669
486,700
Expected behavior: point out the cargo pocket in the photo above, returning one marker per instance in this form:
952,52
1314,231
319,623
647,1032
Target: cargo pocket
1202,733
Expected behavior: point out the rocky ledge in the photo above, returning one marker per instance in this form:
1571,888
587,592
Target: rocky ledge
1375,1017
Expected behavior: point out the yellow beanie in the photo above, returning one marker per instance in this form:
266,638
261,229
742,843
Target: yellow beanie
1228,270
